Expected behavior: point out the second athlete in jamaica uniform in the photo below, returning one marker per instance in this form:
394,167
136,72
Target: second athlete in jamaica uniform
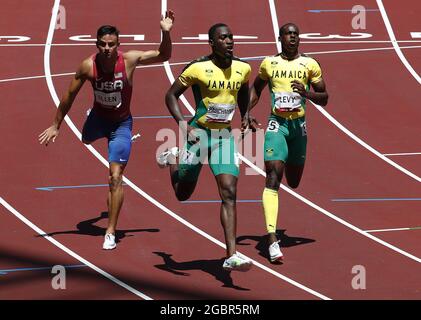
289,76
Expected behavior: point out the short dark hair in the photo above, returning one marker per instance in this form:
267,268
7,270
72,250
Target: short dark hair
107,29
212,29
285,26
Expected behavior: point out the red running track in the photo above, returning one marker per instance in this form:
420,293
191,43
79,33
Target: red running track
155,256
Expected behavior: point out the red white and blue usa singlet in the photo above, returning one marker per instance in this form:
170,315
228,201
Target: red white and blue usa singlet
112,92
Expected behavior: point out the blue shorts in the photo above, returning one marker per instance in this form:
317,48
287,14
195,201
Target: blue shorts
119,135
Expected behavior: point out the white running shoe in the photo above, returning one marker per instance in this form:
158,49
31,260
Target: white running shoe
109,242
275,253
237,262
166,157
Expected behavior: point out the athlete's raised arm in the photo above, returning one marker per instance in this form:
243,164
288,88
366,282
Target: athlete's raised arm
163,53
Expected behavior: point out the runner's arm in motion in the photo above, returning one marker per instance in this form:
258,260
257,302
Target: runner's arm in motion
171,100
164,51
66,102
255,91
318,96
252,99
243,101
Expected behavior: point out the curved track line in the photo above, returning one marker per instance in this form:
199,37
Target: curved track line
332,119
244,58
70,252
395,42
296,195
69,122
72,126
192,111
347,224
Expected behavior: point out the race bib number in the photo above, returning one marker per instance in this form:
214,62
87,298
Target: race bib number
112,99
287,101
273,126
222,113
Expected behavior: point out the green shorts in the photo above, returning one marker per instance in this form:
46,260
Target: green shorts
286,140
216,148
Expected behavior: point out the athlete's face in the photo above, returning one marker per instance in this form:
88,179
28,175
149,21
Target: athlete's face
222,43
290,38
107,45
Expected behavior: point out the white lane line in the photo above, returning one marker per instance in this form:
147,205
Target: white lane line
21,217
335,122
36,77
296,195
394,42
205,43
402,154
186,62
171,78
395,229
318,208
364,144
56,100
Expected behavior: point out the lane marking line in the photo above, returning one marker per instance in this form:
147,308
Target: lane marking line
245,58
67,250
395,229
394,42
402,154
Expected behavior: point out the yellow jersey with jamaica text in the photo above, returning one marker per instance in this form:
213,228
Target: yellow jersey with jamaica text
279,72
215,90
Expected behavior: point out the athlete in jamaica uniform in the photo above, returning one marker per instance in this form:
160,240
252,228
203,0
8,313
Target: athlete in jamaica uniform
289,75
219,82
111,73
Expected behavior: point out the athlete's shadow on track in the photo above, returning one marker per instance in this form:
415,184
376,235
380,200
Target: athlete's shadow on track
262,242
213,267
88,227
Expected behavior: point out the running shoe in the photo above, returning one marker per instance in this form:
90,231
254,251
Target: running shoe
167,157
109,242
237,263
275,253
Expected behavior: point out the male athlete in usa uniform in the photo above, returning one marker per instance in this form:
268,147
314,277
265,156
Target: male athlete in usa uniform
289,75
111,73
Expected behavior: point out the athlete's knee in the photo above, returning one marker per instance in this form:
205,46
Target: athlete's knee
86,141
183,191
115,180
273,179
182,196
293,184
228,193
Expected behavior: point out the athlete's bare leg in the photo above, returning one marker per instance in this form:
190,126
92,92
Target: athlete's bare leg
115,194
227,186
293,173
183,189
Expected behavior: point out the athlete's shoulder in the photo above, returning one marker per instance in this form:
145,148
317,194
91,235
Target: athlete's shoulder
85,67
197,61
309,59
239,60
240,63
